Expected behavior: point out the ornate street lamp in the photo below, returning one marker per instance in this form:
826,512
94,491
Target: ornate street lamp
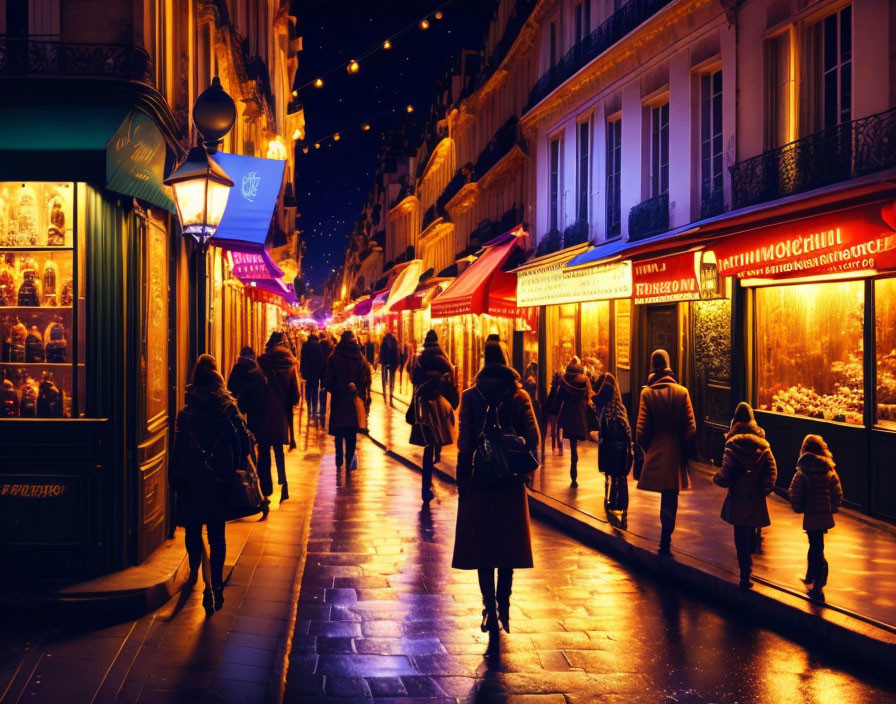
200,186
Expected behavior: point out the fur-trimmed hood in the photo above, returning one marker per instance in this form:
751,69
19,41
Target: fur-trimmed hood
497,380
810,463
747,447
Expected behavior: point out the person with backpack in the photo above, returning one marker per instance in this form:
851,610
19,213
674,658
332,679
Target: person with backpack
311,369
573,396
666,432
211,440
614,450
389,360
347,378
279,367
815,492
749,473
431,413
497,449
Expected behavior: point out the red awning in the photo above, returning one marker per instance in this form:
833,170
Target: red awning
363,307
483,287
423,295
667,279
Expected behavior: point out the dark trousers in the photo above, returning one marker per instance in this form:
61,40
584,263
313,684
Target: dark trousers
322,409
487,586
743,544
217,548
292,430
815,558
312,396
668,512
345,446
388,378
573,458
264,467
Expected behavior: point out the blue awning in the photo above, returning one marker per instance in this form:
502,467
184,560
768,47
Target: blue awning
252,199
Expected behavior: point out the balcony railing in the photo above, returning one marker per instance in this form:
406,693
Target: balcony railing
429,216
712,202
650,217
624,20
497,148
837,154
23,56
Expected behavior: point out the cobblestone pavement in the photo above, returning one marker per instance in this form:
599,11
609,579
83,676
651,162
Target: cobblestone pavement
382,617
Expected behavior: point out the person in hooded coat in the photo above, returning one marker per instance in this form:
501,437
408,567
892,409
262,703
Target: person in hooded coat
614,450
311,369
432,411
815,491
666,431
749,473
389,360
211,440
279,367
346,377
492,530
573,396
248,385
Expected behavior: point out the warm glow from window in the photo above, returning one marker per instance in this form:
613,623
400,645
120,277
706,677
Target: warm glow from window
298,135
277,149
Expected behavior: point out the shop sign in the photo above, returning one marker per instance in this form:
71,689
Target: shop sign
29,490
553,284
857,240
667,279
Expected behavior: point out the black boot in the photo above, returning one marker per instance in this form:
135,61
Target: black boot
573,475
219,598
489,620
208,602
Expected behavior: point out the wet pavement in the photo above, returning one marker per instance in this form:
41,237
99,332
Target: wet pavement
382,617
860,550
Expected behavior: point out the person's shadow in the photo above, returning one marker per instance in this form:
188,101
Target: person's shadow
426,525
489,689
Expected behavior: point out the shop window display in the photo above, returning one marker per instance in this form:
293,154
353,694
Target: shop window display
561,336
37,299
885,343
809,350
596,336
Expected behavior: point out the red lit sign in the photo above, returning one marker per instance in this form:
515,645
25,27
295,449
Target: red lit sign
667,279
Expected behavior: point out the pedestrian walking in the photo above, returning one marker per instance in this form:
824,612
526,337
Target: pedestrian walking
749,473
370,351
614,450
279,367
431,412
573,396
492,530
347,378
327,345
389,360
551,414
666,432
815,492
211,441
404,360
311,369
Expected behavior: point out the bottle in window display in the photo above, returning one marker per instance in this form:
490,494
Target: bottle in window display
7,287
49,399
29,291
49,282
9,401
68,293
27,220
34,346
56,344
56,231
28,404
17,335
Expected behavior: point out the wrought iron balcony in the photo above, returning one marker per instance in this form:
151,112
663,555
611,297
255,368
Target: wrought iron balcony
837,154
624,20
429,216
23,56
712,202
498,147
650,217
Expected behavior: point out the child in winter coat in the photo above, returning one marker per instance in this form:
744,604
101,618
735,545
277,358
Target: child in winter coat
816,493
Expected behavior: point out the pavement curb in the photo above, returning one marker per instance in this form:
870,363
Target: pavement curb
863,641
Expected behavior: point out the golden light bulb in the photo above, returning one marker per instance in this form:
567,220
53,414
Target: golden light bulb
304,150
410,109
318,82
317,145
295,94
336,137
365,127
439,15
424,24
353,66
387,44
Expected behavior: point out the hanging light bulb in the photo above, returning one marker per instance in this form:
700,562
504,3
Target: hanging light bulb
304,150
439,15
353,66
387,44
410,109
336,137
365,127
424,24
317,145
295,94
318,82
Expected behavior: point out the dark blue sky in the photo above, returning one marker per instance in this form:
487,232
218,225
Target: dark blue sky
333,181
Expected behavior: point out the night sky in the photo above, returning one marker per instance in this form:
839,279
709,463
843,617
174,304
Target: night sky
333,181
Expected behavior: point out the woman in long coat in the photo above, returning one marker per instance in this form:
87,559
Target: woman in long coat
573,396
666,431
210,441
748,472
279,367
347,378
493,521
614,454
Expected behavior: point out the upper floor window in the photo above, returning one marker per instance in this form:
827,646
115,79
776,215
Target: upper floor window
583,20
583,177
778,91
614,177
659,149
553,32
826,76
555,183
711,140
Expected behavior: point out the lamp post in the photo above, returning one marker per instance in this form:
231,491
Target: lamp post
201,189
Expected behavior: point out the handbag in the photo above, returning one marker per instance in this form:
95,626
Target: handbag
501,456
245,497
361,411
638,464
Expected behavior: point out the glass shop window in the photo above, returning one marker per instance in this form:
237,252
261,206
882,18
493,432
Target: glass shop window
596,337
885,344
39,301
809,350
561,337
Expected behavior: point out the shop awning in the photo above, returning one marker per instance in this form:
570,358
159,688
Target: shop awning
252,199
483,280
424,294
136,161
404,284
251,263
276,287
363,307
674,277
